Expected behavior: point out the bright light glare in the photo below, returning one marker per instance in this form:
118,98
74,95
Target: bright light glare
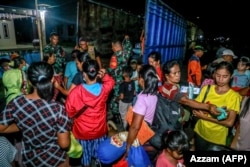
42,13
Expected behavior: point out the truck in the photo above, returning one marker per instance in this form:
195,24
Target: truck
165,29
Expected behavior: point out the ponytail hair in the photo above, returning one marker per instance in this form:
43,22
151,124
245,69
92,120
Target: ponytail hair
40,75
91,68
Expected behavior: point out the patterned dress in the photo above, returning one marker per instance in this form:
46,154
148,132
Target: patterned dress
39,121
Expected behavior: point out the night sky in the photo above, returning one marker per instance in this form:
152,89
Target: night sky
221,17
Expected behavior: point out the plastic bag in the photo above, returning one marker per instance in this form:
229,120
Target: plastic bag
75,150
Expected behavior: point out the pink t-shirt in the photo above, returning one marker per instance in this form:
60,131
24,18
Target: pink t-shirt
145,105
162,161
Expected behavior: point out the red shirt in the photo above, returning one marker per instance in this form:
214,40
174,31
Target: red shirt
169,90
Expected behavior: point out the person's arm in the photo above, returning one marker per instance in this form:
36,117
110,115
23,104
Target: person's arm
77,47
235,139
98,60
62,89
228,122
121,92
197,105
65,80
142,35
134,129
127,46
63,140
194,79
121,96
9,129
244,91
107,80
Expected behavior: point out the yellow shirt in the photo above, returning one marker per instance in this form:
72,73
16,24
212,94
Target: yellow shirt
214,132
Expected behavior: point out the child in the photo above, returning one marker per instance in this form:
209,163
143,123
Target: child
208,78
126,93
134,77
174,144
136,67
144,108
4,66
241,75
209,130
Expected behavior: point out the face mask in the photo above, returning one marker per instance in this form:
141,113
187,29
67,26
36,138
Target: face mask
24,68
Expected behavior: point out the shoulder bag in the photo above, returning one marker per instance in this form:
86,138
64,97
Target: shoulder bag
75,149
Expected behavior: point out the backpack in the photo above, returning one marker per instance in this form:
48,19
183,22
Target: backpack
167,118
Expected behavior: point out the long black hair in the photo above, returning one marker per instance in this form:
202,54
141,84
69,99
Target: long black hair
40,75
148,73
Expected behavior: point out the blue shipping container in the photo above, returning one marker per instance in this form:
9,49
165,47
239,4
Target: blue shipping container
165,31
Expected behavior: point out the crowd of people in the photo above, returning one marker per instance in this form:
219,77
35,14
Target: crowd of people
42,97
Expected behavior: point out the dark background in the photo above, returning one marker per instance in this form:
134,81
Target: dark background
227,18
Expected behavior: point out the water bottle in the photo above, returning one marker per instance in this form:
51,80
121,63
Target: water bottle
190,90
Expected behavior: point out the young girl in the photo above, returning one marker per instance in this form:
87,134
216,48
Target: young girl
154,59
174,144
126,94
241,75
145,104
209,130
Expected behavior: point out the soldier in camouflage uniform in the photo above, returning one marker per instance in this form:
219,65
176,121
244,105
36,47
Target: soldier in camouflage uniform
53,47
126,44
85,46
118,60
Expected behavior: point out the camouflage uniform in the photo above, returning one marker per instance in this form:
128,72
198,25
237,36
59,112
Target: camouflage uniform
126,44
59,54
122,60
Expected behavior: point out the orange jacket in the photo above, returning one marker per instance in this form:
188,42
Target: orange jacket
194,68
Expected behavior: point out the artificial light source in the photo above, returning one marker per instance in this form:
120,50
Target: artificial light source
42,11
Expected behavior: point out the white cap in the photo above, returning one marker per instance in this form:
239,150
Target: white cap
229,52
